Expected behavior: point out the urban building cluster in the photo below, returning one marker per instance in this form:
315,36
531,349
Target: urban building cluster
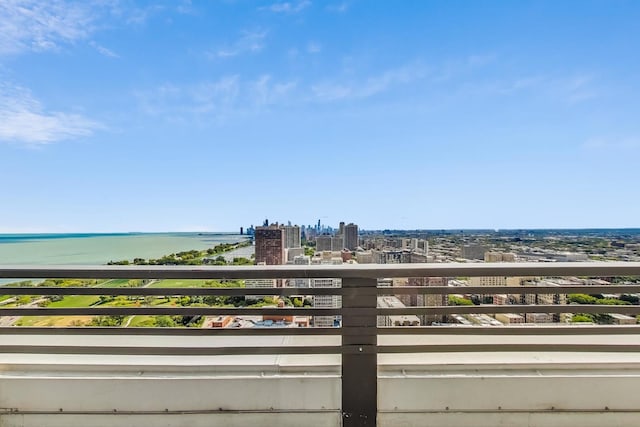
277,244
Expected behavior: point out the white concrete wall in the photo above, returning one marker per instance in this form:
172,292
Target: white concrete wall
138,399
509,389
51,390
435,389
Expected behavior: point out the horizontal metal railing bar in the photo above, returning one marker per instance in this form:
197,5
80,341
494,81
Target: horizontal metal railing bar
203,291
565,289
163,310
52,290
170,351
498,347
286,331
361,271
354,312
551,410
510,330
87,330
126,413
491,309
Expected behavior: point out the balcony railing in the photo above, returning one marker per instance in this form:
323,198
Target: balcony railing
361,340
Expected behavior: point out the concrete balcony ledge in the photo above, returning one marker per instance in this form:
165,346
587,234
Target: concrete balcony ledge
142,390
439,388
218,365
509,388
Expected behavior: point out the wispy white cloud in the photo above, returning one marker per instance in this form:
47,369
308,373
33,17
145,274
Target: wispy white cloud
338,7
219,99
572,89
24,120
265,92
233,96
185,7
287,7
248,42
140,15
578,88
103,50
33,25
364,88
454,68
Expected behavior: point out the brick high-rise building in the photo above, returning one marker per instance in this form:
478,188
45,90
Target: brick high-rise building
269,245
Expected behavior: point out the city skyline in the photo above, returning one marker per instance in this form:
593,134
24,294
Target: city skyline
123,116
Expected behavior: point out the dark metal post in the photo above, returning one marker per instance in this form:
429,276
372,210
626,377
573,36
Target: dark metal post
359,353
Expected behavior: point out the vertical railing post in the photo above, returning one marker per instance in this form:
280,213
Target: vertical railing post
359,352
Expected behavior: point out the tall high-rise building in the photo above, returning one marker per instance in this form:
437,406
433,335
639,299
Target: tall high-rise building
323,243
269,245
351,236
292,236
337,243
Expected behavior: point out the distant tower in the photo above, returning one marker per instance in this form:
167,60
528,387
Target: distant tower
292,238
241,231
351,236
341,229
269,245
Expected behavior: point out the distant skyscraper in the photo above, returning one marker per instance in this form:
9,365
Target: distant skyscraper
351,236
269,245
292,236
341,229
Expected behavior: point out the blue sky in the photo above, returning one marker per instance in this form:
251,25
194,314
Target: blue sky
123,115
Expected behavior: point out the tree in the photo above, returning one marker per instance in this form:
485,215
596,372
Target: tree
582,299
107,321
582,318
164,322
454,300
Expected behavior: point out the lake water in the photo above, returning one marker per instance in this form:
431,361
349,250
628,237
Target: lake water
98,249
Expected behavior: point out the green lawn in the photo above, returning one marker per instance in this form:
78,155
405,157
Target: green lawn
179,283
75,301
54,321
141,321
